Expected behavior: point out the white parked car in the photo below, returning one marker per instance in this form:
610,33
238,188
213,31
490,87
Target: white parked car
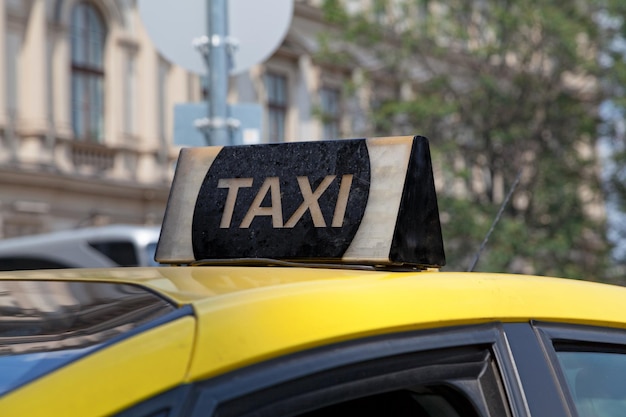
92,247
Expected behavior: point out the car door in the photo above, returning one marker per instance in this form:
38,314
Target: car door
462,371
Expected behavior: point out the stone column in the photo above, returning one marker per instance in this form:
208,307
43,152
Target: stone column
306,94
61,91
33,122
61,79
147,80
3,68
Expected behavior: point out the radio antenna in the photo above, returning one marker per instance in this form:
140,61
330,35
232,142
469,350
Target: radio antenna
496,220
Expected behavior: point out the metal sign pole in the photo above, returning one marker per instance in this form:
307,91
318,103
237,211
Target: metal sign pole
217,48
218,71
226,24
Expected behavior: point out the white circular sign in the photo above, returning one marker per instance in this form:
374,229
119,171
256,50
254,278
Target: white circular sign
258,26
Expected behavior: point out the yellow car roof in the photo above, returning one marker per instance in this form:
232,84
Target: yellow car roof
249,314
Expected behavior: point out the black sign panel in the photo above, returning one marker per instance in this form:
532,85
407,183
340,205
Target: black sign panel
360,201
288,201
417,237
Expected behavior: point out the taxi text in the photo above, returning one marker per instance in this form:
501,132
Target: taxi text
271,185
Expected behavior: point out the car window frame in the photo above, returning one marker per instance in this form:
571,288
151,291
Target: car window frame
586,337
211,394
526,372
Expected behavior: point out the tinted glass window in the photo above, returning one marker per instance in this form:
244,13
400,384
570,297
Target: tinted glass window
121,252
451,382
596,382
435,401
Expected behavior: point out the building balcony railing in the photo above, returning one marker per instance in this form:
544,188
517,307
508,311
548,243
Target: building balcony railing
86,159
94,156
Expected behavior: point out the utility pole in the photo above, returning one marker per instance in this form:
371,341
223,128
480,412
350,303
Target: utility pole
217,49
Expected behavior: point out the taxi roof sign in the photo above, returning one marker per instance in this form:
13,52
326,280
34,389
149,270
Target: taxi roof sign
353,201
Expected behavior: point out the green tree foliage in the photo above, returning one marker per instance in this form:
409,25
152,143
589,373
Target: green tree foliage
613,130
502,88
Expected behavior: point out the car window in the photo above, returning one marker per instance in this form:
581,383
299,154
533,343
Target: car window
419,401
14,263
48,324
448,382
121,252
595,380
590,363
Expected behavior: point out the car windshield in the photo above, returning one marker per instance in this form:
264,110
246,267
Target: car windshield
46,324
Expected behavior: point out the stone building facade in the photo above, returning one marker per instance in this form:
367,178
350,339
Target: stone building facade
86,110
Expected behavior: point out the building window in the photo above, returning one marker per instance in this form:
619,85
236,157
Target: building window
88,35
276,86
329,106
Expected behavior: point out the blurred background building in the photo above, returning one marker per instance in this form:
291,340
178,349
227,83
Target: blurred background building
87,131
86,110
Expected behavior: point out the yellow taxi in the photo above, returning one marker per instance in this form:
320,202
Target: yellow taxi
304,281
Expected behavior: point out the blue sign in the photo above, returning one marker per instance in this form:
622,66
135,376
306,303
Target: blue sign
247,115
